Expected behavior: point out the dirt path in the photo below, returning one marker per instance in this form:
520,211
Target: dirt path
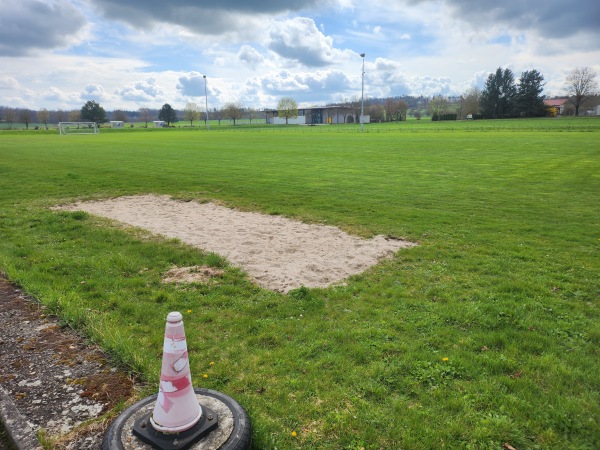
53,377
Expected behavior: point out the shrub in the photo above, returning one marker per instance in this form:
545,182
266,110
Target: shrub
447,116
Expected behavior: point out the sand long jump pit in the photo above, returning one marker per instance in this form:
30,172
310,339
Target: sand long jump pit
278,253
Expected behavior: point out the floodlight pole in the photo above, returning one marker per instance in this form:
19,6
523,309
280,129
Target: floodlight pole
206,100
362,93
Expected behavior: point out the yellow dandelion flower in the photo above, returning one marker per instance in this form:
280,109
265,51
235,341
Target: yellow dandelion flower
205,375
294,434
212,363
189,311
444,359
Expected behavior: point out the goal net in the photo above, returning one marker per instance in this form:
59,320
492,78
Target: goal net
78,128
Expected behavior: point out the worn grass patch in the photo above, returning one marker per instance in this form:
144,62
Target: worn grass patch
193,274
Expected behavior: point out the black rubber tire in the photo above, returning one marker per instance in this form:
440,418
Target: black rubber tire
241,435
240,438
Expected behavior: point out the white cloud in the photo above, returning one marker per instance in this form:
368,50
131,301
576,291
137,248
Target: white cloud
93,92
430,86
300,40
386,78
191,84
61,98
142,91
307,88
134,53
250,56
9,83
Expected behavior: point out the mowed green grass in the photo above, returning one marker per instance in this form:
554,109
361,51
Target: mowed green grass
486,333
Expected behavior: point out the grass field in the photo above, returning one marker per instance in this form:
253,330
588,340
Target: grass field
486,333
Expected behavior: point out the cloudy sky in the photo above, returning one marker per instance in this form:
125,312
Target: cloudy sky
127,54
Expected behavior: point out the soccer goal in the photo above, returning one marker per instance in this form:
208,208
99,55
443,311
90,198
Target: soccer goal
78,128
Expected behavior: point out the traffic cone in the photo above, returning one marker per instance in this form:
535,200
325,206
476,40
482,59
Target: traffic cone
177,408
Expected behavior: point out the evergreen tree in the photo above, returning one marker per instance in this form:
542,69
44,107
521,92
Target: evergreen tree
93,112
167,114
530,101
498,95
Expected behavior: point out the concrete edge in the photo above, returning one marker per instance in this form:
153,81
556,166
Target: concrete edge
15,424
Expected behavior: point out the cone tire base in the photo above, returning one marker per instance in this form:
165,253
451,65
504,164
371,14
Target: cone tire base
146,432
240,438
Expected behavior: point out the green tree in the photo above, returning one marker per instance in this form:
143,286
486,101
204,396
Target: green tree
530,101
167,114
498,95
93,112
288,108
438,106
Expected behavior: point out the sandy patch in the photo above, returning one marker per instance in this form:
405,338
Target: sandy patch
278,253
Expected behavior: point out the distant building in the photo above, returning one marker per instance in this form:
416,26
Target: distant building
558,104
317,115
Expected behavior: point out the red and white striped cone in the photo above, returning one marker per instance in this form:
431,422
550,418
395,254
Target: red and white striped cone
177,408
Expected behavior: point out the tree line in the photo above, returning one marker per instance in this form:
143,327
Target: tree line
501,97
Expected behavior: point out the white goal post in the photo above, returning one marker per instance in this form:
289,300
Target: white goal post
78,128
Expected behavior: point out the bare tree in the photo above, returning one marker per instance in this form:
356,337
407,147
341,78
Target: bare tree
389,105
580,84
61,115
191,113
43,116
438,105
355,107
25,117
218,114
376,112
252,113
74,115
10,115
402,110
233,110
469,102
119,114
395,109
145,116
